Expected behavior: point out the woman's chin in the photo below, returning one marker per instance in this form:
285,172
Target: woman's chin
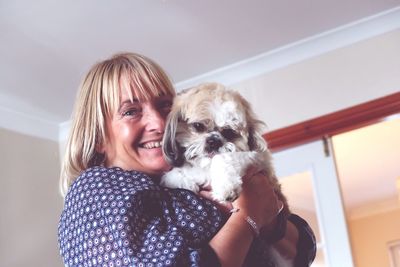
158,164
152,153
153,161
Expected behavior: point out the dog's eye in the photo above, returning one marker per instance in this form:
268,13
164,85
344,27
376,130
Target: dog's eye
199,127
229,134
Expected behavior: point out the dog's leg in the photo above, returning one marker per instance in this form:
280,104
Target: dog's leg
186,178
227,170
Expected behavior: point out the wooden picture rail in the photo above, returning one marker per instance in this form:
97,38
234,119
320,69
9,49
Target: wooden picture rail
334,123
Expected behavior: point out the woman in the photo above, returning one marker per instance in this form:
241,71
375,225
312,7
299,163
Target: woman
115,212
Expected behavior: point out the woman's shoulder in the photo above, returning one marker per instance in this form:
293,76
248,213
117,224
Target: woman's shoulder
109,180
100,204
100,191
102,182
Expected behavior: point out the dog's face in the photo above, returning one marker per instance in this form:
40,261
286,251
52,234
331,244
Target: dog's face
207,120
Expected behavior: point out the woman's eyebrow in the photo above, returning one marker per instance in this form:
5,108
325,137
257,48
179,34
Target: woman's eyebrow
127,102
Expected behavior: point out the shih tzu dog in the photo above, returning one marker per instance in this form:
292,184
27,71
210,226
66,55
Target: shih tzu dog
212,137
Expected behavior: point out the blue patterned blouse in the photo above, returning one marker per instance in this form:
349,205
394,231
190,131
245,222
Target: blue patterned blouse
114,217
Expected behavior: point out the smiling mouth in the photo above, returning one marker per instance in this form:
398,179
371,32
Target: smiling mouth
150,145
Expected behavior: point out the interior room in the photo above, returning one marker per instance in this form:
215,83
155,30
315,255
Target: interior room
295,62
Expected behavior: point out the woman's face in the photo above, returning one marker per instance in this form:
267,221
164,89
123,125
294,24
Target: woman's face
134,136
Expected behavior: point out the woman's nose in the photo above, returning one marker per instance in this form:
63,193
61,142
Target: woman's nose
154,120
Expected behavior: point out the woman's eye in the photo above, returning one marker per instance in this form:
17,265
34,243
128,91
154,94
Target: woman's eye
130,112
166,105
229,134
199,127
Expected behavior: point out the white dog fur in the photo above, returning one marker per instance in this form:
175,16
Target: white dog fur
211,138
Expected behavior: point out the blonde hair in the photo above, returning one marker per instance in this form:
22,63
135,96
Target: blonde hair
97,99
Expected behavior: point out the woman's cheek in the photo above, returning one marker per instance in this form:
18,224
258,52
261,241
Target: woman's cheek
127,134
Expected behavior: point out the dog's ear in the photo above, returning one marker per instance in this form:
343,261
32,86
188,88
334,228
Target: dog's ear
255,141
172,151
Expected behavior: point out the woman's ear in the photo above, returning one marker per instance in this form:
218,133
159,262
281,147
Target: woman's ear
172,151
100,148
99,156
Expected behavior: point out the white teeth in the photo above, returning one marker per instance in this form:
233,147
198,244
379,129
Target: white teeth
150,145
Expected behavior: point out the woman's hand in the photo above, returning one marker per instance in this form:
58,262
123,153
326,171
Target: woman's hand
258,199
225,207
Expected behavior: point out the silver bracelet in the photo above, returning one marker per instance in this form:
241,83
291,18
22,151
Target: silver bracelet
234,210
250,221
253,226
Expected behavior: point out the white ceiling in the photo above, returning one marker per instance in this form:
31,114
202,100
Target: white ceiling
46,46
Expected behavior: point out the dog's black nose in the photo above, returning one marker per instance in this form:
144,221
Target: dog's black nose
213,143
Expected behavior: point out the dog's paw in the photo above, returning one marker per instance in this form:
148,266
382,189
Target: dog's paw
226,180
176,178
227,194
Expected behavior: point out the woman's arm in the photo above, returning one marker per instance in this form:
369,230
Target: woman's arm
123,218
231,244
259,202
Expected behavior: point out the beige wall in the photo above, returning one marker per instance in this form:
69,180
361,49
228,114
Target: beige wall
369,237
29,201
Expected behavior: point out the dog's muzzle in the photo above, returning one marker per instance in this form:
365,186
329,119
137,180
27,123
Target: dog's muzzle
213,143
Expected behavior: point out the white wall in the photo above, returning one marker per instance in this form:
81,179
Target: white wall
339,79
314,87
30,205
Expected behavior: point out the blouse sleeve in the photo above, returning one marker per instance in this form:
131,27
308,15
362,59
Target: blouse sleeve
306,245
118,218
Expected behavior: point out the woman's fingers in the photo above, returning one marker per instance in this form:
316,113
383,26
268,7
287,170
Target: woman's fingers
226,206
250,172
258,199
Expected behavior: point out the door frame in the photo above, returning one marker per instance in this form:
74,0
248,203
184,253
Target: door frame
334,123
314,159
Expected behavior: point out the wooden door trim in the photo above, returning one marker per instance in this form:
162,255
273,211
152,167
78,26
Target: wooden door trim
334,123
